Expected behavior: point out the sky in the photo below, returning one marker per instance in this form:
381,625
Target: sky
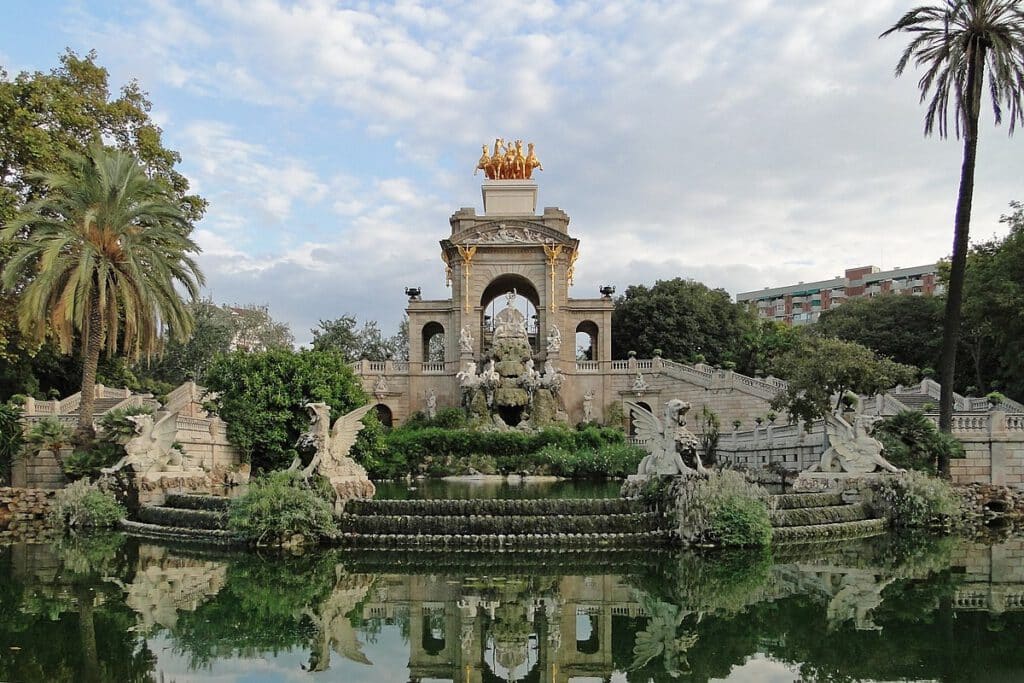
741,143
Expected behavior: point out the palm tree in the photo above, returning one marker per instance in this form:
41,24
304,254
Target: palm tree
101,253
956,42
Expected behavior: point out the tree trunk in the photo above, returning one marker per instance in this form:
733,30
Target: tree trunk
954,296
85,432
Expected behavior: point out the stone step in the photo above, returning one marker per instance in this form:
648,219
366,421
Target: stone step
642,539
188,535
496,507
193,501
182,517
820,515
786,501
828,532
502,524
535,561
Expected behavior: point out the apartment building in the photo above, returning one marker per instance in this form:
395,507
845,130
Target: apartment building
803,302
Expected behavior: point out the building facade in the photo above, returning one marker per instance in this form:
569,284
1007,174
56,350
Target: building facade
513,249
802,303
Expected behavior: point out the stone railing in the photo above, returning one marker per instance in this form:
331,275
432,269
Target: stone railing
433,368
588,366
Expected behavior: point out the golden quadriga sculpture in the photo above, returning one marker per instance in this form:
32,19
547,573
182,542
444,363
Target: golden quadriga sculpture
507,162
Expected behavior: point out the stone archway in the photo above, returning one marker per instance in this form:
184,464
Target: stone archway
587,342
527,301
385,415
432,339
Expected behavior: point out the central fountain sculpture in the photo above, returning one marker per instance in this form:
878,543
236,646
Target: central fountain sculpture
509,391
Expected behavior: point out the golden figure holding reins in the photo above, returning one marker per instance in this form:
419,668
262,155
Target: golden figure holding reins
507,161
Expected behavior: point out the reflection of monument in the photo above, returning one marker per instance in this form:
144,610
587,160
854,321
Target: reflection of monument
165,584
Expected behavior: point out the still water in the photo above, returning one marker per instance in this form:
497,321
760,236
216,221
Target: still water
110,608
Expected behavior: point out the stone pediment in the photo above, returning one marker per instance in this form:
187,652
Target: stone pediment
509,231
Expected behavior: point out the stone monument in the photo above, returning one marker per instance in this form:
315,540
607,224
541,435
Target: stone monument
331,446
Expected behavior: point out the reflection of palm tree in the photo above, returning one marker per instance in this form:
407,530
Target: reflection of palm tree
87,634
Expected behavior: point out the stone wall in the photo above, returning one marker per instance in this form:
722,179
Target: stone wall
790,446
39,471
23,513
994,446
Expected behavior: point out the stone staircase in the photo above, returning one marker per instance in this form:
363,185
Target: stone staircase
184,517
806,517
502,524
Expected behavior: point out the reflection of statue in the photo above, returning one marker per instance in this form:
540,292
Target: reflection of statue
151,450
852,448
465,341
588,406
660,638
554,341
331,445
663,439
859,593
431,404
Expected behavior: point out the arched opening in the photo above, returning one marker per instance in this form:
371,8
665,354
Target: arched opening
586,341
433,343
433,633
588,636
493,300
385,415
632,423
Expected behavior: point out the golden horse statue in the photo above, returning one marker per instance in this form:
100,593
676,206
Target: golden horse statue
507,161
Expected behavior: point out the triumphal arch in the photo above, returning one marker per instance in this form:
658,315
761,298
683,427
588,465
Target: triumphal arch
505,344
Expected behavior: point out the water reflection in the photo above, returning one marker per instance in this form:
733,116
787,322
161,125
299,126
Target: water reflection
106,608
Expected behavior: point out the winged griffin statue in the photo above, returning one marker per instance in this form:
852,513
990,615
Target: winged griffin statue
331,446
151,451
852,448
665,439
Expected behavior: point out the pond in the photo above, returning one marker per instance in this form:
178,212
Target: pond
110,608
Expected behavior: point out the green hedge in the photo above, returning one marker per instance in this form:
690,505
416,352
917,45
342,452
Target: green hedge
587,453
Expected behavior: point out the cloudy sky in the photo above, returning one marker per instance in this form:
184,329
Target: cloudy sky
742,143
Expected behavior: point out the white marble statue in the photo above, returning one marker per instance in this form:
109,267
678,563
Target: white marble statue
552,379
510,323
331,446
530,379
639,383
664,438
465,341
489,376
151,451
431,404
852,448
380,388
468,379
554,341
588,406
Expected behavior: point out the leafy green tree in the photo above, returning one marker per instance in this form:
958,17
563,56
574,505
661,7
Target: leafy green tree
344,336
993,324
681,317
956,42
255,330
102,252
907,329
212,335
44,116
820,368
762,342
262,397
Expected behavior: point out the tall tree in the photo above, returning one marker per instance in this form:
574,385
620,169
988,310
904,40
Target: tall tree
255,330
683,318
956,42
102,251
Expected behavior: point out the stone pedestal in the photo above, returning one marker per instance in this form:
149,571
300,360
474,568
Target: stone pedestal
855,487
153,488
509,197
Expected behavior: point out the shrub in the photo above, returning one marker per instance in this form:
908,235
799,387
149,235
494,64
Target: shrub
48,434
723,509
11,439
912,441
917,500
83,505
279,506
